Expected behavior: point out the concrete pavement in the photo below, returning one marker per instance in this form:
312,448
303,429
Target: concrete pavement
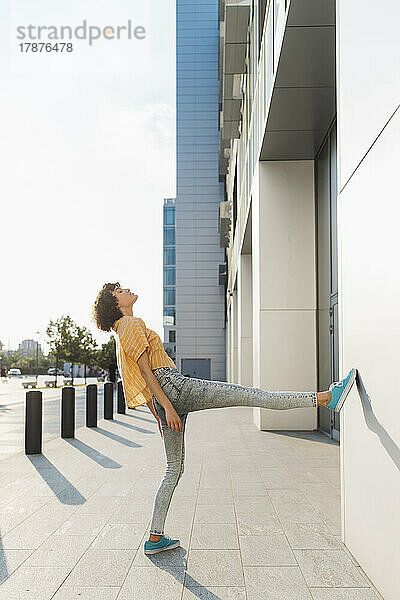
257,513
12,413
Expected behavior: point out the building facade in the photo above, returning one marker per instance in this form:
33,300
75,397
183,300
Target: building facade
169,277
200,299
29,348
309,142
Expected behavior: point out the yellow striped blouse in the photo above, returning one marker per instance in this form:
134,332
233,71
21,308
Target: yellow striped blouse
133,337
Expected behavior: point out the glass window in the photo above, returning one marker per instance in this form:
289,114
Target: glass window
169,315
169,256
170,276
169,236
279,28
169,215
169,296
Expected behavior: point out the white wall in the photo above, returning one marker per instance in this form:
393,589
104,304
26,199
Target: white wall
245,321
369,284
368,68
284,290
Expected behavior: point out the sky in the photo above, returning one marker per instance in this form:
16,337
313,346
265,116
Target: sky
86,160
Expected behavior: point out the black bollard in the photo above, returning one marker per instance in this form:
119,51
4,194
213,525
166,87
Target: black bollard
120,399
108,400
91,405
33,422
68,411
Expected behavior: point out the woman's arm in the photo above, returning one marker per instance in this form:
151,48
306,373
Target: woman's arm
172,417
152,383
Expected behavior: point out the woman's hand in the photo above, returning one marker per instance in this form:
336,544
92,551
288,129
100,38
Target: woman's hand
173,420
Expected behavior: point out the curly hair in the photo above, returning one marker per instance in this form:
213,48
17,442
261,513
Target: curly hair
106,310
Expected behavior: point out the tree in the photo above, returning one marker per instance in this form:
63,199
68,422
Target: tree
106,357
65,341
89,349
56,341
71,337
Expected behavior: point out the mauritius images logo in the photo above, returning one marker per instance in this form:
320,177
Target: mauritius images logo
82,32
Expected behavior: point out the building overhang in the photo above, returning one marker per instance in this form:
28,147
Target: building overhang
233,48
225,221
303,102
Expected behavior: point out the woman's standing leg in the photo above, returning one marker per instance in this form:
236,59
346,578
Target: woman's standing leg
201,394
174,446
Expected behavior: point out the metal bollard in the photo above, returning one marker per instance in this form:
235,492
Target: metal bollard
108,400
33,422
91,405
68,412
120,399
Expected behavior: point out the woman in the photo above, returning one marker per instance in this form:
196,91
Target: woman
150,376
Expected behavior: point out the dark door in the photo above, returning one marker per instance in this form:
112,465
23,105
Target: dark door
327,277
196,367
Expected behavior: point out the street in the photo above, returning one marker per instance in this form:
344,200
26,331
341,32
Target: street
12,411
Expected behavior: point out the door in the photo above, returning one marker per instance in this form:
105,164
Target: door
327,277
196,367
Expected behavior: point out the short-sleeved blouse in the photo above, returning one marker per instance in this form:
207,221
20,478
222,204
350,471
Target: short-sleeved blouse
133,338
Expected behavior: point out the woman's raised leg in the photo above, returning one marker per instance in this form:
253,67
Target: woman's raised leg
174,446
201,394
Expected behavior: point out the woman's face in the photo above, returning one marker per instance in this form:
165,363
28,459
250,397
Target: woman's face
125,297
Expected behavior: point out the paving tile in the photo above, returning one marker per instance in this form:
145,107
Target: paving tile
291,505
277,478
250,476
86,593
212,483
115,487
275,583
20,508
101,568
271,549
319,489
311,536
214,593
214,536
212,567
215,496
33,583
10,560
214,513
249,488
29,534
54,509
253,522
117,536
82,524
148,583
259,503
58,551
132,512
100,504
344,594
328,568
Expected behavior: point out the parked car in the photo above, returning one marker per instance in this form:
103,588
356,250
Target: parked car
52,371
14,373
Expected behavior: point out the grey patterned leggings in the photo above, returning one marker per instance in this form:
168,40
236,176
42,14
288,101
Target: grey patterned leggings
189,394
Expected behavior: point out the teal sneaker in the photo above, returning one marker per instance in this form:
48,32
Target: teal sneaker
340,390
164,543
